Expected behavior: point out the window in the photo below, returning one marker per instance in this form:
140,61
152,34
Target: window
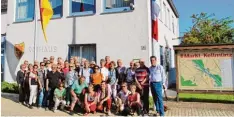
87,51
161,55
57,6
173,27
168,59
82,7
3,5
117,5
161,17
165,13
3,47
24,10
169,19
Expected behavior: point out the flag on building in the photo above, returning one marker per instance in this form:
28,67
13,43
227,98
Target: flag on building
81,5
46,12
155,12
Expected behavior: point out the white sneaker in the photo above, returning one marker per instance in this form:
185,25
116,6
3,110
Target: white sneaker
54,110
108,113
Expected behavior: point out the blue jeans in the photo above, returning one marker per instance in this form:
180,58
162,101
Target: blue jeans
41,97
46,98
156,89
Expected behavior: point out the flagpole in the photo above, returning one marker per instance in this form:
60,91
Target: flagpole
35,30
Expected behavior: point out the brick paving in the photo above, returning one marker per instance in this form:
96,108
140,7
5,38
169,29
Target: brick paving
10,107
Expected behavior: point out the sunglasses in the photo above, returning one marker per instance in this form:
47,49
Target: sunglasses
123,86
59,68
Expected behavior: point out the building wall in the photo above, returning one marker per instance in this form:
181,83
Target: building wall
3,22
166,36
119,35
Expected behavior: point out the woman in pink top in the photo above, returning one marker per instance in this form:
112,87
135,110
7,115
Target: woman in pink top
66,68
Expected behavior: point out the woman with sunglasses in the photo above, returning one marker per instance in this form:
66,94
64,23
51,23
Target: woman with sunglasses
96,78
122,99
33,84
113,79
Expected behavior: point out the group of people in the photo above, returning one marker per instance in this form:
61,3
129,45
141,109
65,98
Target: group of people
91,87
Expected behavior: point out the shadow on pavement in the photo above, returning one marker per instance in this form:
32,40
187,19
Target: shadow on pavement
12,97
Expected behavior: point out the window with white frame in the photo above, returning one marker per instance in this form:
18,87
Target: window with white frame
82,7
173,27
57,6
161,55
160,14
165,13
24,10
117,5
169,19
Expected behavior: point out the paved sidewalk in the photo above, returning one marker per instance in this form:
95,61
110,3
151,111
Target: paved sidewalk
10,107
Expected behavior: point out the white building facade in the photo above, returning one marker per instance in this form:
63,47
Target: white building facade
90,29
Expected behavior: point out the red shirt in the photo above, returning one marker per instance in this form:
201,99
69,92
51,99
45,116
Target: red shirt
107,65
65,71
133,98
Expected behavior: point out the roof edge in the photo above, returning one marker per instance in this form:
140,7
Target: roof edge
173,8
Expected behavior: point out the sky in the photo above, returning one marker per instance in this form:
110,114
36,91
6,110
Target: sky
221,9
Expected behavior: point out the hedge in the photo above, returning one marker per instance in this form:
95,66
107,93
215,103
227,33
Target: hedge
9,87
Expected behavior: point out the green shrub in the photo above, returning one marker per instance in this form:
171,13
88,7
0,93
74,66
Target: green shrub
151,102
9,87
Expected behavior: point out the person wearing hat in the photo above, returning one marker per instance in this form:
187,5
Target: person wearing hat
92,65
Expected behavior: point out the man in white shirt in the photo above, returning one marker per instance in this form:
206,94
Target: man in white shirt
104,70
157,81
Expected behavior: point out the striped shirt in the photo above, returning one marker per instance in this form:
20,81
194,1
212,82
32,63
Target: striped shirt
141,74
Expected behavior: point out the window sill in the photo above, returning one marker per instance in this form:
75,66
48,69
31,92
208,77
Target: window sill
23,20
117,10
56,16
86,13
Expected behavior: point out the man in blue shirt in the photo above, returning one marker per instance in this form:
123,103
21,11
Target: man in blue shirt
157,81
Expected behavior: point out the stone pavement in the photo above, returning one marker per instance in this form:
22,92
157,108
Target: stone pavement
10,107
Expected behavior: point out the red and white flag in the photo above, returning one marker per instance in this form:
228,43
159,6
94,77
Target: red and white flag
155,9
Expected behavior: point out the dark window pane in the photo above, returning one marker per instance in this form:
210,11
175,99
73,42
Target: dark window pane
83,6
